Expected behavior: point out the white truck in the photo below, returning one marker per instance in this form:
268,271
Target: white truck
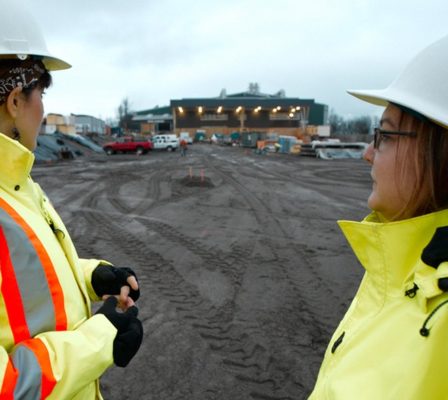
168,142
186,136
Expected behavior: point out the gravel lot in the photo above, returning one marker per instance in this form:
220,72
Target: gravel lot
243,269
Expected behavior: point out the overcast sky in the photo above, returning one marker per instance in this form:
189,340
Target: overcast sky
151,51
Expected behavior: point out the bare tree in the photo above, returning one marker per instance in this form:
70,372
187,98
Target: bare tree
124,114
339,125
361,124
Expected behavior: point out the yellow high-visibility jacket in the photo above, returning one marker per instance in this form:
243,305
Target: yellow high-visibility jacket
392,342
50,345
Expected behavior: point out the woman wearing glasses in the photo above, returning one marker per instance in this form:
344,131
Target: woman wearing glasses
391,344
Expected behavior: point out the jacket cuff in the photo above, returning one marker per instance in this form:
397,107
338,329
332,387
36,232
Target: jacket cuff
442,270
88,266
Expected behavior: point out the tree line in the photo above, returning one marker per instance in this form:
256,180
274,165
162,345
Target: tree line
355,125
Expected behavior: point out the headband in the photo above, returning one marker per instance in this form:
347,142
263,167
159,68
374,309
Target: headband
22,74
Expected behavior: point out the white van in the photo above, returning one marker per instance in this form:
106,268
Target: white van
168,142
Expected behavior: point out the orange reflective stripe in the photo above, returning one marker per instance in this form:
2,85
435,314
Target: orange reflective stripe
11,294
9,382
53,281
41,353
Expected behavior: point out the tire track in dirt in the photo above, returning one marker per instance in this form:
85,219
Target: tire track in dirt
152,185
267,220
261,213
315,328
249,361
250,349
48,182
121,204
326,180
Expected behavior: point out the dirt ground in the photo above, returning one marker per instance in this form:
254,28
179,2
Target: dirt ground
243,270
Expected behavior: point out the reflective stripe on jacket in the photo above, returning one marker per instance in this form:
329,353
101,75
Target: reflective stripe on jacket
379,350
50,346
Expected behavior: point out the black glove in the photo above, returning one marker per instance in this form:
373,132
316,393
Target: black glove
130,331
109,280
436,252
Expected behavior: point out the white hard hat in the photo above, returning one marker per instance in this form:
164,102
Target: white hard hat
21,36
422,86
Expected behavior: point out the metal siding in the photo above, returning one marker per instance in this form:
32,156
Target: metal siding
318,114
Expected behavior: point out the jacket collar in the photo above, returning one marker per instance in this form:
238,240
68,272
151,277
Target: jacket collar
16,161
390,251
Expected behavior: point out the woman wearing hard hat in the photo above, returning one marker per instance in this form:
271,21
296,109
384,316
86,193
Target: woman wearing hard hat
50,344
391,344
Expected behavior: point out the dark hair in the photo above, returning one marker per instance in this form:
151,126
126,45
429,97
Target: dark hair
44,82
14,72
428,156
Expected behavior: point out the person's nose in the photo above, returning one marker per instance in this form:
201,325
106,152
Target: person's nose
369,153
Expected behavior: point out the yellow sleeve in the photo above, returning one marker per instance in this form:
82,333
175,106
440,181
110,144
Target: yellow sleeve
58,365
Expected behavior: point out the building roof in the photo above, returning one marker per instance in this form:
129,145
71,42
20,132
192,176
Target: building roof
152,117
257,94
251,98
155,111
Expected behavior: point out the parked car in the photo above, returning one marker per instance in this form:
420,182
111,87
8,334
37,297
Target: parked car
128,144
168,142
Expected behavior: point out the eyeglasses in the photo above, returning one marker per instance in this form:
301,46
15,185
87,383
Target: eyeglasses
379,135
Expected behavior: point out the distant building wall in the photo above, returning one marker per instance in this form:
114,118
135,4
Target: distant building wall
248,111
318,115
58,123
72,124
88,124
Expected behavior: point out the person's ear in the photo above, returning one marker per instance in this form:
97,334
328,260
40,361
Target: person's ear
13,102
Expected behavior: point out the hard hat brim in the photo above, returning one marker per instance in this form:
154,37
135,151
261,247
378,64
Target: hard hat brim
383,97
376,97
51,63
55,64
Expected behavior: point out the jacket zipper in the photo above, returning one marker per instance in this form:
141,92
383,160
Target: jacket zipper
50,222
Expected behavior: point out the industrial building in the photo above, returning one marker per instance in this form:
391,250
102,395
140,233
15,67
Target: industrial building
73,124
240,112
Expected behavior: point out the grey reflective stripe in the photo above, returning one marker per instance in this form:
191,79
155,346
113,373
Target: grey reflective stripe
29,384
34,290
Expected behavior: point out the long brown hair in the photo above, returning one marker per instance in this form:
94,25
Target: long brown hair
427,156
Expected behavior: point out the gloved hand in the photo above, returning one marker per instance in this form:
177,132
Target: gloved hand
130,331
436,252
109,280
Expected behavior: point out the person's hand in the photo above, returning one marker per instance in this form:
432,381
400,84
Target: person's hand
129,331
436,252
120,282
